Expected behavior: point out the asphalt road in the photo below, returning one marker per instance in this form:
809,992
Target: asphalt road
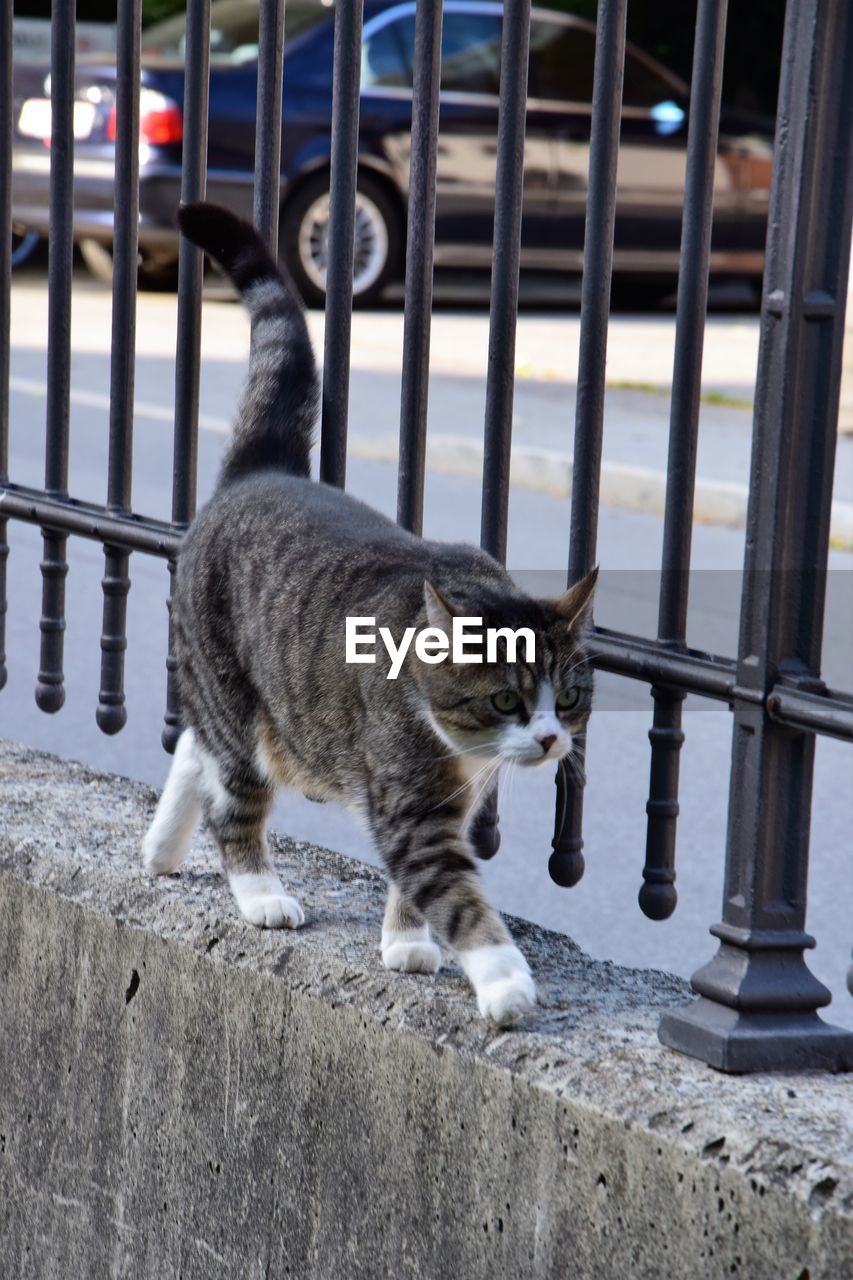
601,912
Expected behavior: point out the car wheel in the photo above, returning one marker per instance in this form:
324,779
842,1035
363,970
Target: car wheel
304,240
156,270
24,244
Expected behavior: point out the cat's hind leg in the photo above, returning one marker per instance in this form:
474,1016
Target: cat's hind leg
406,944
238,801
178,811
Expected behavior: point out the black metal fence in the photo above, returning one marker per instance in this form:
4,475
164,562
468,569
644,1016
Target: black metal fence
756,1000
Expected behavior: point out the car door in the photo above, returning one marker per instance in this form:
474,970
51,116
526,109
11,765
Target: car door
652,170
468,129
467,149
652,157
562,54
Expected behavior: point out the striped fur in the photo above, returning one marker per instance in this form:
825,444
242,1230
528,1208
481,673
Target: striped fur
282,390
266,577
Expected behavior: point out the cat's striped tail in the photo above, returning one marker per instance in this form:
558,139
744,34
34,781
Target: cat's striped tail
278,413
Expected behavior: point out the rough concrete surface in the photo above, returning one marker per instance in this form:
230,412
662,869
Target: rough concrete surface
182,1095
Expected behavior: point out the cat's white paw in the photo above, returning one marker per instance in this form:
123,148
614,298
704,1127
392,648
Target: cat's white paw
264,903
508,999
161,856
501,980
269,911
410,956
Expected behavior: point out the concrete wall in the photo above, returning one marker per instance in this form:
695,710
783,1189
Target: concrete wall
184,1096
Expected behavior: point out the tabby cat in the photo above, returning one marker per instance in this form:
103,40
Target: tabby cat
267,575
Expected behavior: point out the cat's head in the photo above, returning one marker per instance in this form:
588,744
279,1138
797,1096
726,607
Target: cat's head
526,711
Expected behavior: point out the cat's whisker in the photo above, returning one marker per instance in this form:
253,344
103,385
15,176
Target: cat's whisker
462,752
487,782
485,777
576,768
504,784
490,764
581,662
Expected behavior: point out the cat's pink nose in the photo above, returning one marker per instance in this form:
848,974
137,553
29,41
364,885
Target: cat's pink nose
547,742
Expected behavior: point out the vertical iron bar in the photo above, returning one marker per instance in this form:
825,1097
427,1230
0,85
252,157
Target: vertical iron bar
50,691
658,895
500,378
509,189
344,177
566,864
757,999
188,358
268,129
111,713
419,254
6,134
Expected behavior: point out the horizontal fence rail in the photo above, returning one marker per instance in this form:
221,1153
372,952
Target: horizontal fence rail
756,1001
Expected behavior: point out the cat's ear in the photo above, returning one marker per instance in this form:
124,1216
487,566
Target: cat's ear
440,611
575,605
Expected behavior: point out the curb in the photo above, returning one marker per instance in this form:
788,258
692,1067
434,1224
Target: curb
631,488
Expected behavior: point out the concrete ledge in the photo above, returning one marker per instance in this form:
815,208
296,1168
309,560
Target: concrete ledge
183,1095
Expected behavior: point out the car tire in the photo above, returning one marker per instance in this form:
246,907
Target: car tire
378,233
156,271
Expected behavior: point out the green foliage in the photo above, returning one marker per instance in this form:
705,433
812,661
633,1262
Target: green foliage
155,10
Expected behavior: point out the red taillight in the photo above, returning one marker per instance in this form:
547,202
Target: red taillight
160,120
162,126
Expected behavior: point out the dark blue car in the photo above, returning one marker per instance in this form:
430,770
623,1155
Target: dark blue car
651,165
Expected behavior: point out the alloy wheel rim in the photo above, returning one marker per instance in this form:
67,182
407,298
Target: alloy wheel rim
370,249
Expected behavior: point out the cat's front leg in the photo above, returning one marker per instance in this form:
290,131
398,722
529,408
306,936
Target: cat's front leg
406,943
434,869
500,976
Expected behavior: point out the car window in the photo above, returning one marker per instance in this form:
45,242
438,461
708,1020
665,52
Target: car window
387,56
561,62
233,29
644,86
471,53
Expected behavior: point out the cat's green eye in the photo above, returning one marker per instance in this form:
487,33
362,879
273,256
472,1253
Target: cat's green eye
506,701
568,698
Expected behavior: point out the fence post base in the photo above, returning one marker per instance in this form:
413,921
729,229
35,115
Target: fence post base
737,1040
